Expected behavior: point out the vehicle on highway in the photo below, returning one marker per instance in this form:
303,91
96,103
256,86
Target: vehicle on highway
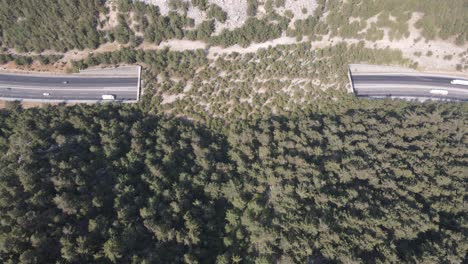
122,85
407,85
439,92
462,82
108,97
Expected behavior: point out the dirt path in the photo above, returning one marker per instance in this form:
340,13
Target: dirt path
214,51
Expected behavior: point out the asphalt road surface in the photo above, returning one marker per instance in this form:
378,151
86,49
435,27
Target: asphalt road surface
67,87
401,85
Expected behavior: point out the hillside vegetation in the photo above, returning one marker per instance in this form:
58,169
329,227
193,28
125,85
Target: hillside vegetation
439,19
38,25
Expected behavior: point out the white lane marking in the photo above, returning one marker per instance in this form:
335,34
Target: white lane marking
69,89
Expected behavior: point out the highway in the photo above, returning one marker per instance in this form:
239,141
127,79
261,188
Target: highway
408,85
68,87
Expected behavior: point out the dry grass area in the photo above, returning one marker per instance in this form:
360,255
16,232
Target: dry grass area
58,67
3,104
26,105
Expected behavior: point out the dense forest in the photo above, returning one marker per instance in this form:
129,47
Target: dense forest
348,182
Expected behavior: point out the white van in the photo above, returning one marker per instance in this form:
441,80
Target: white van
439,92
108,97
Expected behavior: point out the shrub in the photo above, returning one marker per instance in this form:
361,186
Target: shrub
252,6
217,12
201,4
280,3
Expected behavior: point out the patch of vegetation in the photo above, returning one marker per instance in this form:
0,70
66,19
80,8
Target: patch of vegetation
348,18
203,31
37,25
200,4
280,3
252,6
304,27
28,60
174,63
289,14
122,33
156,28
253,30
269,8
181,5
217,12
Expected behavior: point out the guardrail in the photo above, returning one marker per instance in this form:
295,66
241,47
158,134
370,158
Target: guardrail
139,83
350,81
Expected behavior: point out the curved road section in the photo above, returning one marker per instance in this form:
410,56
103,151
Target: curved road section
409,86
122,85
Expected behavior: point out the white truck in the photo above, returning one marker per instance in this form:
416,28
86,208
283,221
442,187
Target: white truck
108,97
462,82
439,92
